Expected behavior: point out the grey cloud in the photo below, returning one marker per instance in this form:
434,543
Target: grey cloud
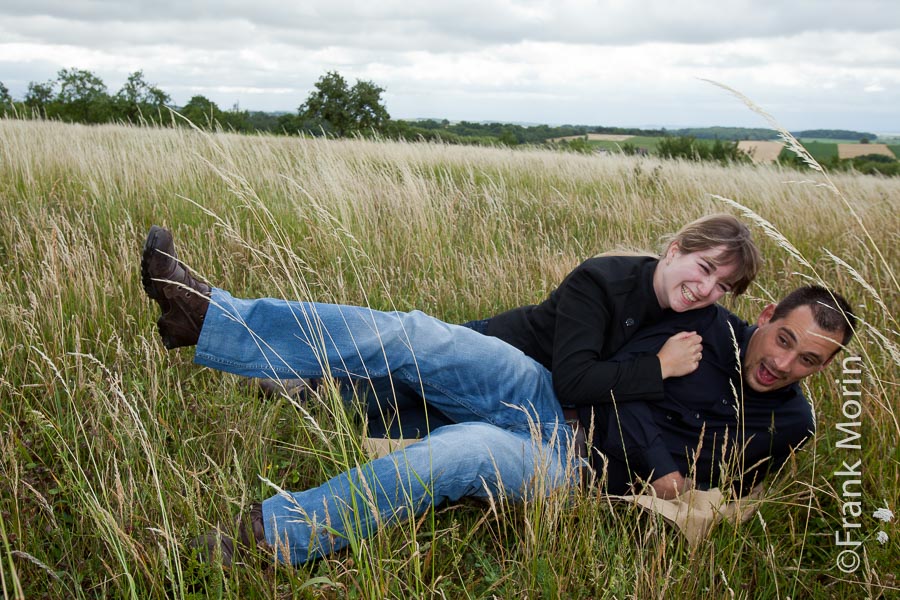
439,26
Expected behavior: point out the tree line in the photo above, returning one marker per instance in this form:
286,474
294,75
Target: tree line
336,108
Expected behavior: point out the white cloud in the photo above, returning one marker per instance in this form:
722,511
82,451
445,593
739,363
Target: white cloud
612,62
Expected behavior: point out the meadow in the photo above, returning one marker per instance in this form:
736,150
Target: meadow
114,452
822,150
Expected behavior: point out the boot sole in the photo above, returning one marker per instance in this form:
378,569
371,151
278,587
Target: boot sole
146,279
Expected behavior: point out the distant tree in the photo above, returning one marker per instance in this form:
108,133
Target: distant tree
835,134
39,97
864,140
202,112
139,100
366,109
581,145
6,101
875,158
328,106
508,137
688,147
336,108
629,149
682,146
82,97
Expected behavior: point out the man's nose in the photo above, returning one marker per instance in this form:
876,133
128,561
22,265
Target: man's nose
783,361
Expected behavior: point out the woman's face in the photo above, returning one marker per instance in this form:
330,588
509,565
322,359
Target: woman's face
688,281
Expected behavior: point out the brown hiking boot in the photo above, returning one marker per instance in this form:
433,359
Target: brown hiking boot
248,533
182,298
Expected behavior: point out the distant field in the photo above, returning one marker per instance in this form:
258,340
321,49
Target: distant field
595,137
826,141
762,152
854,150
636,140
821,151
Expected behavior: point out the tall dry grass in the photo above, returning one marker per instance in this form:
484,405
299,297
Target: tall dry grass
113,452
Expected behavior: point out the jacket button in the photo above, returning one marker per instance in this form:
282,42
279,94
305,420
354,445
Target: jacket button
696,415
629,322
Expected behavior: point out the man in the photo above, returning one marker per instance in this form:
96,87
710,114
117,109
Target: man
740,413
508,434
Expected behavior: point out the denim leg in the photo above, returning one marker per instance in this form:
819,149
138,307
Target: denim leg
467,376
462,460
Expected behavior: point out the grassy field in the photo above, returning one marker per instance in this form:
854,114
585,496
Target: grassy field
821,151
805,141
640,141
113,452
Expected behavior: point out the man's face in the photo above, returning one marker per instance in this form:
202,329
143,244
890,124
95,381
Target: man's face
785,351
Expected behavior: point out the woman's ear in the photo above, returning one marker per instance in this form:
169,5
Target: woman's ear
671,251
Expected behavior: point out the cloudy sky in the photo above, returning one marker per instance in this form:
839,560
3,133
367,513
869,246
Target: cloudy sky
811,63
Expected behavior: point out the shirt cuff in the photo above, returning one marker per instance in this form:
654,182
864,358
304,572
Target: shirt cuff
658,461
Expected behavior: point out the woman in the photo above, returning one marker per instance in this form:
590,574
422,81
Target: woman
606,299
599,306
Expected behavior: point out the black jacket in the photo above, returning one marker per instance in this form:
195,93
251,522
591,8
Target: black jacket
577,329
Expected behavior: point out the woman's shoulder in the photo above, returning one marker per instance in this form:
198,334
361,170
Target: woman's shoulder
616,268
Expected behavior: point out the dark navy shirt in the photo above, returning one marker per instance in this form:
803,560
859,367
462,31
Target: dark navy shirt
708,426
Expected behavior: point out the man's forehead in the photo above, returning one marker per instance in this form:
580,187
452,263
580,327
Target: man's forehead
800,324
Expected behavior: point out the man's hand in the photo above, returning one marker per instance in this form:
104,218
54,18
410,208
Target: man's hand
672,485
680,354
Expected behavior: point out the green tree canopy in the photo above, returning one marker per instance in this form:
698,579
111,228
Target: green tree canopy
39,96
334,107
205,113
201,111
6,100
140,100
82,96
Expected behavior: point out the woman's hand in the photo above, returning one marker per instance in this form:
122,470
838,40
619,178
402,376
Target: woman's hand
680,354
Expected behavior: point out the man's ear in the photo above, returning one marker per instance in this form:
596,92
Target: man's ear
766,315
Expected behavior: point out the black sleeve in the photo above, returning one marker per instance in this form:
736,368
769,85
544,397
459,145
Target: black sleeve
632,436
583,323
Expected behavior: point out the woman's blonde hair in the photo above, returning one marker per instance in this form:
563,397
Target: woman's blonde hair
726,231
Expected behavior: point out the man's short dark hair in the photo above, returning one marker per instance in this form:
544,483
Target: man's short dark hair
830,310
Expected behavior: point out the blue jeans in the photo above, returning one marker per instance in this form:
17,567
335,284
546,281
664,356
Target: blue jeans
509,435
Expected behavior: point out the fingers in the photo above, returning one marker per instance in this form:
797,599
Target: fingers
682,335
681,354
